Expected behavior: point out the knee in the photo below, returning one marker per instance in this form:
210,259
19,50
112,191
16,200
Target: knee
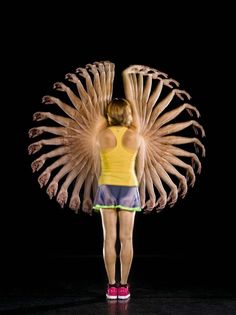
125,238
110,238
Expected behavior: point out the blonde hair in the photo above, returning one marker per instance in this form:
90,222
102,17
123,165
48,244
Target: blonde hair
119,112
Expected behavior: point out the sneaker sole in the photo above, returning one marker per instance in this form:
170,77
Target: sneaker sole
123,297
111,297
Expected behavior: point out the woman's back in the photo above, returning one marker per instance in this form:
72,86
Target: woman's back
107,139
118,150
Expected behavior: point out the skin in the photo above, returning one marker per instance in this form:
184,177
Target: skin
131,140
109,219
85,126
159,151
83,130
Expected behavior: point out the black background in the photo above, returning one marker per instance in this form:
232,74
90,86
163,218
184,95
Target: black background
193,49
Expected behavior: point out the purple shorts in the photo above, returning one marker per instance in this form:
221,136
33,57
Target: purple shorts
113,196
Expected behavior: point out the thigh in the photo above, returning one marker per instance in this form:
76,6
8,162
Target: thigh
126,222
109,221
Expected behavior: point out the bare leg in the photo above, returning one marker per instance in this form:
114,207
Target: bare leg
109,221
126,222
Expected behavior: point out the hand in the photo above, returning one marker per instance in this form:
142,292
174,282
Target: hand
34,147
62,197
156,73
44,178
75,203
34,132
82,72
197,126
71,77
87,206
173,196
180,92
182,187
52,189
161,202
99,65
59,86
169,82
136,68
47,99
150,204
91,68
190,108
37,164
109,66
39,116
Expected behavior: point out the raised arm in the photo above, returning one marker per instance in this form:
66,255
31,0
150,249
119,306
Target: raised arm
130,97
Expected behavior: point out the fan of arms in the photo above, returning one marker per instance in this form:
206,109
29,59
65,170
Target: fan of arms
164,170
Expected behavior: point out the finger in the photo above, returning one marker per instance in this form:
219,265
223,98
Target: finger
180,96
175,82
57,85
44,99
78,70
69,76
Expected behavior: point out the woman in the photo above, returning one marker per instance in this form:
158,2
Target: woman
117,197
77,155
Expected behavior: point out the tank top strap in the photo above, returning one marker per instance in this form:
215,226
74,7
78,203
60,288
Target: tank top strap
118,132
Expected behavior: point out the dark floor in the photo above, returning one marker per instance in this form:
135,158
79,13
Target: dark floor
76,285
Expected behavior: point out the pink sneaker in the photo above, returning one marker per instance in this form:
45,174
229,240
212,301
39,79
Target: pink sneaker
111,292
123,292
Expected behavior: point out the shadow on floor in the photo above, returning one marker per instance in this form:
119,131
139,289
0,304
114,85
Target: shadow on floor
76,285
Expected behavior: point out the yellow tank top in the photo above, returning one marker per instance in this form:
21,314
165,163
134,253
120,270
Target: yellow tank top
118,163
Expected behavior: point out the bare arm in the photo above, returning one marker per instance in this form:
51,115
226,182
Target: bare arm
165,118
89,85
161,106
130,97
